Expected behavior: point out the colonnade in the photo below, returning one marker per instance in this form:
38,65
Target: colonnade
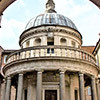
94,88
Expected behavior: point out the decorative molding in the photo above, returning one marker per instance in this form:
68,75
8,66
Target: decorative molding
46,30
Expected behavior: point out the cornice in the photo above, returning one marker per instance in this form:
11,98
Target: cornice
46,30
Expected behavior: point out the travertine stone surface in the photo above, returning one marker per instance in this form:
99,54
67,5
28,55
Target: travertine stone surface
94,91
20,87
53,64
8,88
62,85
39,85
81,86
98,89
3,90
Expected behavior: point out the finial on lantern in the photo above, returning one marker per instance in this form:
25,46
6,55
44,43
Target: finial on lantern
50,6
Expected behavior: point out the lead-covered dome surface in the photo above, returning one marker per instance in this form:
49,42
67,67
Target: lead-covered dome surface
50,19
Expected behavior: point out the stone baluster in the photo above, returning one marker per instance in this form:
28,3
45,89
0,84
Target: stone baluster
93,85
62,84
39,85
20,87
81,86
8,88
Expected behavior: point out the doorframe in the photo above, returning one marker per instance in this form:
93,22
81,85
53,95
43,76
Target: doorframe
50,88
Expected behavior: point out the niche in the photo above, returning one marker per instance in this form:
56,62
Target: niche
63,41
38,42
27,43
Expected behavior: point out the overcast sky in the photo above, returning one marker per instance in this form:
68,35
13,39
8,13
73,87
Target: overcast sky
83,13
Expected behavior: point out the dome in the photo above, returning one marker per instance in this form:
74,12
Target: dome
50,19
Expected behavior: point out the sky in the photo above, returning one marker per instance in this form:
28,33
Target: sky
83,13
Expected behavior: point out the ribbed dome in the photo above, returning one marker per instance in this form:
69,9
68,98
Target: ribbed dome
50,19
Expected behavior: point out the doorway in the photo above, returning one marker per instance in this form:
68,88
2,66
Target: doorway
50,94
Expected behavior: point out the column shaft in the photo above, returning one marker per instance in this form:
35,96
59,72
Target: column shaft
98,91
62,86
4,90
93,85
20,87
39,86
81,86
8,89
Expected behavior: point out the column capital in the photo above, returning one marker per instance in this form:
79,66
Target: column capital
63,70
21,74
93,77
4,80
97,81
39,70
8,77
81,74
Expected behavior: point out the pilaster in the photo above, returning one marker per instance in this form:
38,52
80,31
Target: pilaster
29,92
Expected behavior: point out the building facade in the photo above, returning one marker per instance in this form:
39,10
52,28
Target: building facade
3,56
96,53
51,64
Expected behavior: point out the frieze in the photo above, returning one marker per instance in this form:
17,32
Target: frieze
29,33
49,65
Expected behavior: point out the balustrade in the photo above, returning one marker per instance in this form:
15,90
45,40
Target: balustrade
46,51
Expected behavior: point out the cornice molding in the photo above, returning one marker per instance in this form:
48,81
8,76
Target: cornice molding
46,30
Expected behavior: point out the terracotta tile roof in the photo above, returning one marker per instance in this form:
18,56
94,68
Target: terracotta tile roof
88,48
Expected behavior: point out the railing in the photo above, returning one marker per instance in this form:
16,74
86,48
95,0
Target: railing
51,51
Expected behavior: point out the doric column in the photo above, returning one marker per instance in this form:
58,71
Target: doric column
4,90
93,85
62,84
81,86
98,90
20,87
8,88
29,92
39,85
